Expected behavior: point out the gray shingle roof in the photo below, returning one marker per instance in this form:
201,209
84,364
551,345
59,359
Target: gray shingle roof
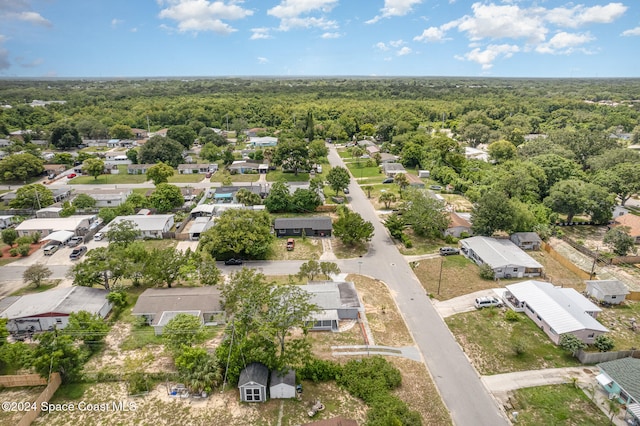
315,223
611,287
500,253
157,300
626,373
254,372
289,378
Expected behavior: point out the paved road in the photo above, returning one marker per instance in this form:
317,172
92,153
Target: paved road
458,382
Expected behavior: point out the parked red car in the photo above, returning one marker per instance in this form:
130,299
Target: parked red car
71,175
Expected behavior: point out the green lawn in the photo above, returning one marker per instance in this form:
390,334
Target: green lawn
305,249
556,405
278,176
489,340
361,171
186,178
220,176
122,177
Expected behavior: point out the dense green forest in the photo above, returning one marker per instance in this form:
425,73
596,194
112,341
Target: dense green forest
557,146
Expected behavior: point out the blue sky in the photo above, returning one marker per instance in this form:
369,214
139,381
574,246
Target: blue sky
501,38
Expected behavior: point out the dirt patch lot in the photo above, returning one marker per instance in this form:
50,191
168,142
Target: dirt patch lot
305,249
556,273
618,320
496,345
18,395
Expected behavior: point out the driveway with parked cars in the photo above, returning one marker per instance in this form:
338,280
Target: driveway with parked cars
465,303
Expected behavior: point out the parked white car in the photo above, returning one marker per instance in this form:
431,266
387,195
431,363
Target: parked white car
487,302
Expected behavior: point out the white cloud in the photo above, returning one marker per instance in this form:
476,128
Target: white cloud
632,32
294,14
203,15
404,51
116,22
564,43
262,60
496,22
431,35
394,8
396,43
33,18
486,57
382,46
331,35
580,15
260,33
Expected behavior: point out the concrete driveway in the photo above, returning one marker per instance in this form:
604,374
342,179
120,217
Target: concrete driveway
447,308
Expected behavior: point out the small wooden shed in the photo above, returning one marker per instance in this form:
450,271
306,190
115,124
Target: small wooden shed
282,385
607,291
253,383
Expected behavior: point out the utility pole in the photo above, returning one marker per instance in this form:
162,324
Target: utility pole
593,266
440,277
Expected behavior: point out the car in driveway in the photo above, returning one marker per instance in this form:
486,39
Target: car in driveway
99,236
71,175
487,302
233,261
447,251
75,241
50,249
77,252
388,180
345,190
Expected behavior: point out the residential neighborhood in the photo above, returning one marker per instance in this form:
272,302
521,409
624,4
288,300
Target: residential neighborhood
269,275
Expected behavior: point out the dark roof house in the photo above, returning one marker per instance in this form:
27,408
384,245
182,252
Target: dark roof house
318,226
526,240
253,383
621,379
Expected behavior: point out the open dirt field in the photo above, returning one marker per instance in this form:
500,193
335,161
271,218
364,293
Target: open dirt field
18,395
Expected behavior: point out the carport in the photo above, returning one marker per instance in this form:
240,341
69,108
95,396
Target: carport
59,237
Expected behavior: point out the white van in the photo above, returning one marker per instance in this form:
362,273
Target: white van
50,249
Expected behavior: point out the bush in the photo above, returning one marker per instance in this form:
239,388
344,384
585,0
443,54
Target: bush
406,241
27,239
14,252
390,410
604,343
450,239
24,249
486,273
464,235
319,370
138,383
519,347
511,316
369,378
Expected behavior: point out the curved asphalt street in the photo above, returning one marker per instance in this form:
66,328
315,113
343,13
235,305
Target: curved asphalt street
462,391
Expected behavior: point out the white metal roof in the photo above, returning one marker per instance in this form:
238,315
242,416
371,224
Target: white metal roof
64,301
564,309
154,222
60,236
70,223
500,253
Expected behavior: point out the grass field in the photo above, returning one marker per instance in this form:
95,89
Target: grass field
120,178
186,178
346,252
279,176
556,405
221,176
305,249
556,273
490,341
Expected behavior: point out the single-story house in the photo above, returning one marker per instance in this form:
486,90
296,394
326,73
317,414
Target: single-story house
475,154
187,169
263,141
161,132
372,149
138,169
115,158
108,197
60,194
632,221
556,310
385,157
189,194
392,169
54,169
51,309
227,194
150,226
505,258
253,383
159,305
198,226
282,386
248,166
608,291
415,181
48,212
252,133
526,240
79,225
203,210
318,226
621,379
6,221
139,133
365,143
337,301
457,225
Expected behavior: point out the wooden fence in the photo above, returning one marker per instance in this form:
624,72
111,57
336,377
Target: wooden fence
565,262
45,396
596,357
19,380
